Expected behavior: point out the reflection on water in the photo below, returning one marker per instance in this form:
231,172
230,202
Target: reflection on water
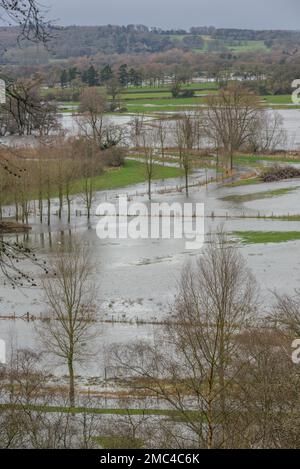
136,279
291,125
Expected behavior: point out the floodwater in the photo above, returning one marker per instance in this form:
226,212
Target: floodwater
137,280
69,123
291,125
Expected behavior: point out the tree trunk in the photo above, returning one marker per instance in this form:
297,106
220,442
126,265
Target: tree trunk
49,209
186,182
41,208
71,382
69,209
60,203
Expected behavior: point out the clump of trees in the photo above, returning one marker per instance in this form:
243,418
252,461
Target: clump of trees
25,421
94,124
235,119
228,377
58,168
230,117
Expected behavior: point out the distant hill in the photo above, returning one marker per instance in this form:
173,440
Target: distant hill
87,41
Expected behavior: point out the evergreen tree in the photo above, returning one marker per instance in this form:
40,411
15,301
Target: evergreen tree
106,74
135,77
123,75
64,78
73,72
90,76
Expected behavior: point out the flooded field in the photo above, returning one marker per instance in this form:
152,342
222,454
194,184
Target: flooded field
290,124
69,123
136,280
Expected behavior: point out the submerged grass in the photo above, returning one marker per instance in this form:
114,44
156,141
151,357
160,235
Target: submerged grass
265,237
253,160
173,414
244,182
240,198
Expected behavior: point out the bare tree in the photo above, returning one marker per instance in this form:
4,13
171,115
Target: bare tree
136,129
267,133
29,15
89,165
114,90
70,296
27,395
267,386
93,122
162,133
130,430
93,105
230,117
186,133
149,158
26,111
192,367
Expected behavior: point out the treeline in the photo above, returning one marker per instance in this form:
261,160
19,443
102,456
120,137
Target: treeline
54,169
87,41
270,72
235,34
79,41
92,77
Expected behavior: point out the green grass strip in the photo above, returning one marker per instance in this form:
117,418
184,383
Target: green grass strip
265,237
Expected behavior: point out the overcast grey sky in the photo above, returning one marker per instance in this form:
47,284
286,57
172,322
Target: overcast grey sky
279,14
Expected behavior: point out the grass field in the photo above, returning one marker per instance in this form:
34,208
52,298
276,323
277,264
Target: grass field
264,237
146,95
234,46
278,99
133,172
159,99
161,88
237,47
247,46
283,101
160,94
